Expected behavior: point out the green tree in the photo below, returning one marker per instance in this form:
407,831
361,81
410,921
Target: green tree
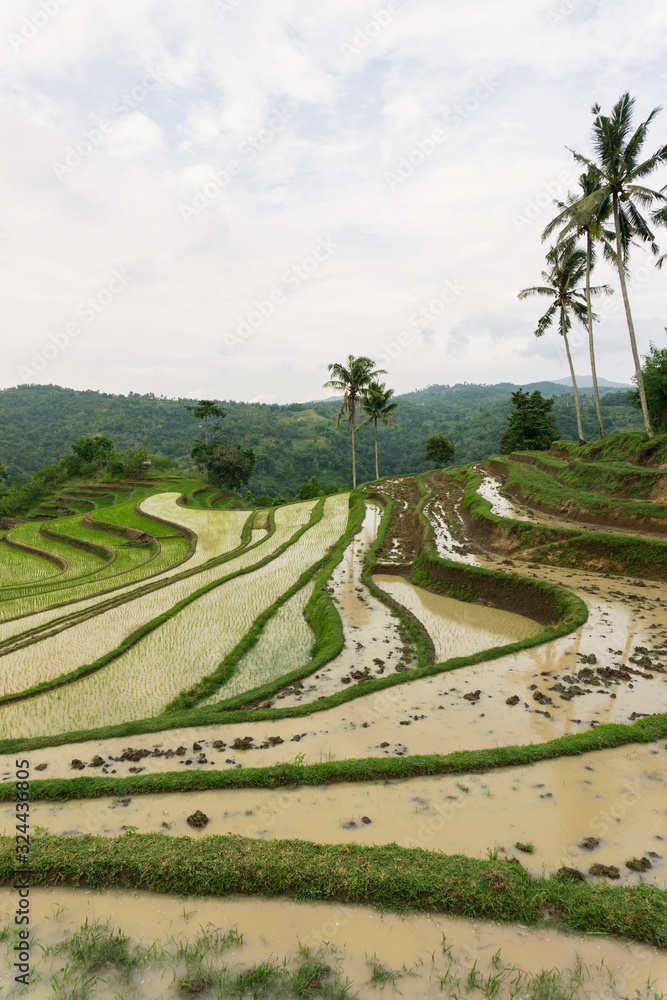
310,489
205,408
591,226
93,449
531,426
3,472
654,373
377,404
619,161
439,450
129,463
350,381
228,464
566,267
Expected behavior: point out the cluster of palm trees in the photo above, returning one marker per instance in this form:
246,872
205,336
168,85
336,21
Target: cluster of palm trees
611,193
358,382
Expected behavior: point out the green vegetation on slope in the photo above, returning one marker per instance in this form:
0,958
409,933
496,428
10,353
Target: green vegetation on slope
291,443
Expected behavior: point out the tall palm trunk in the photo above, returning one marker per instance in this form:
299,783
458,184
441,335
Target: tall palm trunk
580,429
628,315
377,470
596,394
354,454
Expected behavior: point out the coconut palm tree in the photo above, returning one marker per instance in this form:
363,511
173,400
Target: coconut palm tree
566,267
351,380
590,225
621,167
377,404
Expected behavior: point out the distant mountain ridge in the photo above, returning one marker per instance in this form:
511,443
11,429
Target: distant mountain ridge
587,382
552,387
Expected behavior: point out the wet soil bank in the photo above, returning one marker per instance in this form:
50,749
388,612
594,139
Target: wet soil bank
508,592
404,533
575,511
572,544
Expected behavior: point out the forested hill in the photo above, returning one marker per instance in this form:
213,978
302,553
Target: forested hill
39,422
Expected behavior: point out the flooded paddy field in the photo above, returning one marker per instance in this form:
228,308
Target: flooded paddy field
602,814
457,628
373,644
546,816
162,946
558,687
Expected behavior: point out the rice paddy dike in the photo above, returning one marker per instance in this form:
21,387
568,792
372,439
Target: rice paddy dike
412,738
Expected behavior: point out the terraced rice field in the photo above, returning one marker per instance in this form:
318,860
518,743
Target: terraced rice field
357,699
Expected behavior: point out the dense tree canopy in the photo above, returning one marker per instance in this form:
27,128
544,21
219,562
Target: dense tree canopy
291,442
93,449
439,451
227,464
654,370
531,425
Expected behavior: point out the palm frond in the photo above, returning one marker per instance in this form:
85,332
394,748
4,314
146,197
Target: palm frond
535,290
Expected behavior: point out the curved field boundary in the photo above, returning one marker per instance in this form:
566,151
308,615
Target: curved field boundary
32,550
101,551
90,668
388,876
569,609
628,554
324,619
181,531
411,629
140,591
328,632
528,483
49,589
68,621
193,499
53,584
113,529
607,736
613,478
181,528
550,605
80,503
500,534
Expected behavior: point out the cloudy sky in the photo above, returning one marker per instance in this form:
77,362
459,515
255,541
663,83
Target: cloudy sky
219,198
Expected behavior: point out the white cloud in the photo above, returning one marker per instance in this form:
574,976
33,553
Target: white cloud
508,86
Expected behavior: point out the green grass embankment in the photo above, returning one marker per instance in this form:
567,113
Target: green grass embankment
566,613
633,447
86,669
619,479
531,485
597,550
389,877
292,775
320,614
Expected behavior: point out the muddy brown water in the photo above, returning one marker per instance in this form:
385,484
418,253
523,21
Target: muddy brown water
617,796
458,628
432,715
625,801
413,945
372,639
